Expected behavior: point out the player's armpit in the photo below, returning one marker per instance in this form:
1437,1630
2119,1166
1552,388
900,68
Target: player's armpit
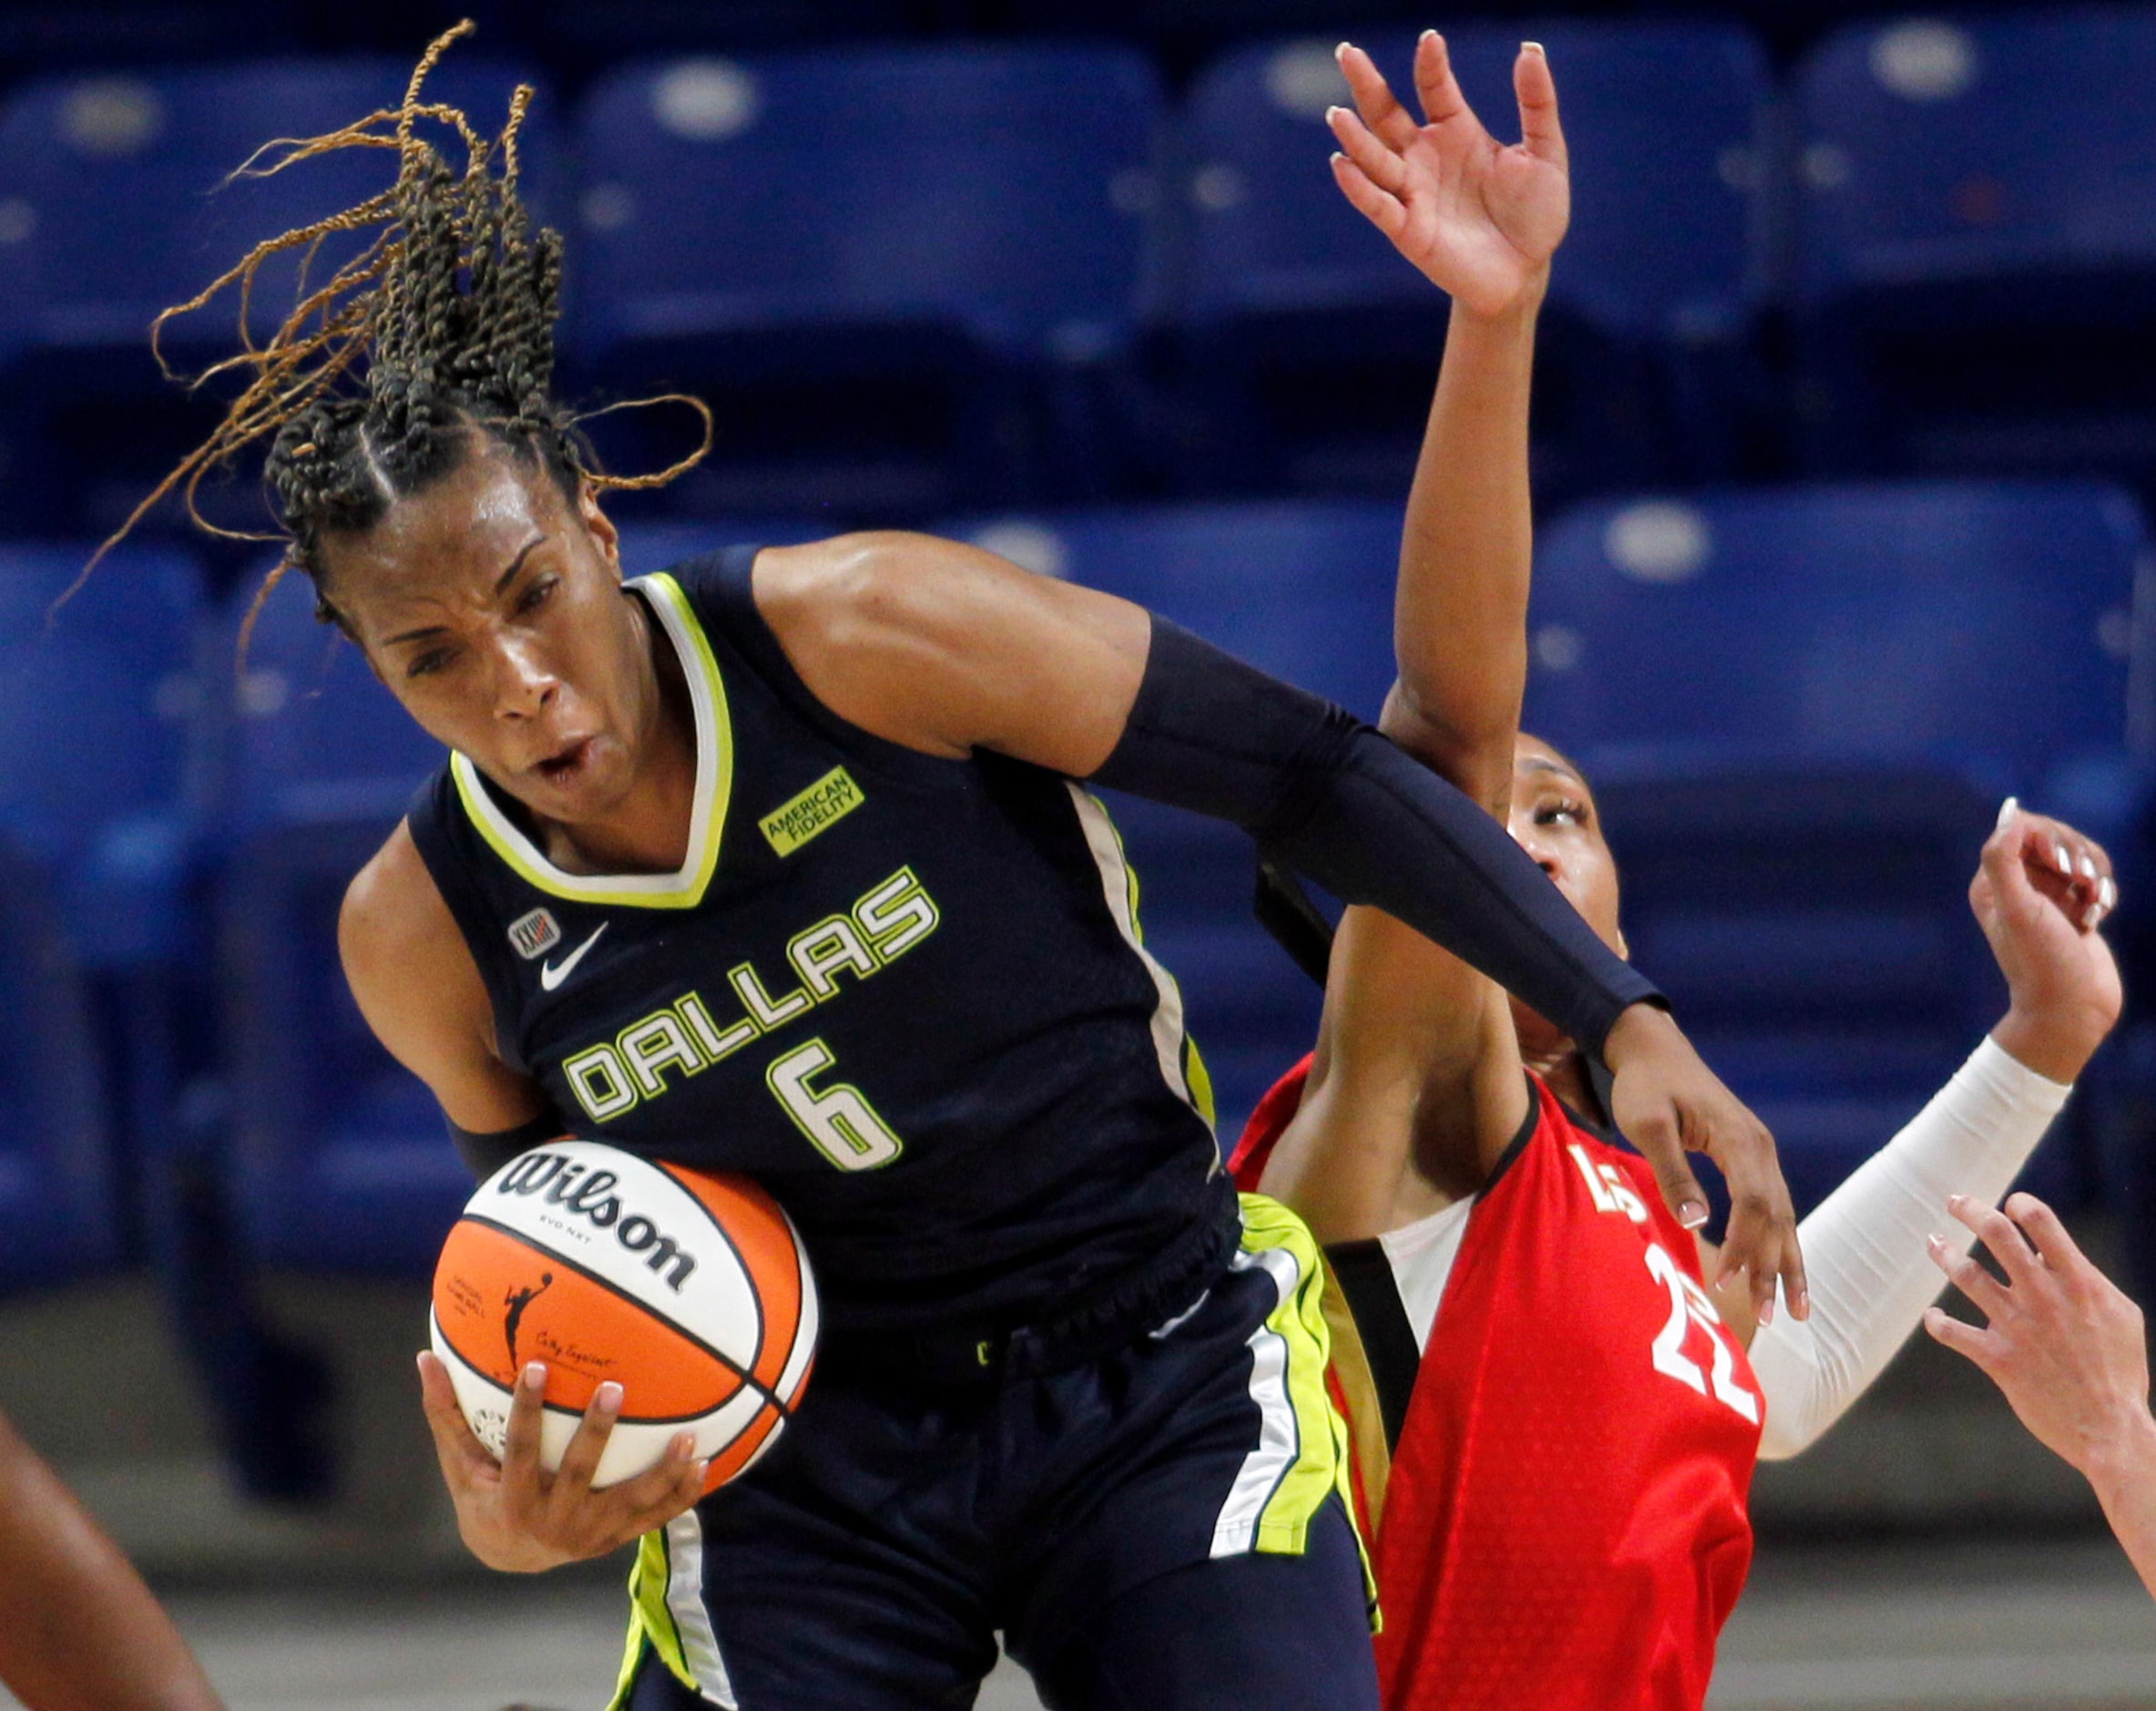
1414,1091
415,980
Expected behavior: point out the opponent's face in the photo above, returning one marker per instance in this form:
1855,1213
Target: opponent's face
491,605
1555,820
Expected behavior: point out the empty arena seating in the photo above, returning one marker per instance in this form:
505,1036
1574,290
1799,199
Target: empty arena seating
1801,708
1308,345
119,202
1975,243
339,1160
887,269
97,826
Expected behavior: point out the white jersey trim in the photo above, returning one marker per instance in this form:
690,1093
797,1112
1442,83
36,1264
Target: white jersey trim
692,1619
1120,886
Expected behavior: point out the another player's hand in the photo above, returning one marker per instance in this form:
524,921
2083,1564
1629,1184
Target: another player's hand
1666,1103
1481,220
2041,895
516,1516
2063,1341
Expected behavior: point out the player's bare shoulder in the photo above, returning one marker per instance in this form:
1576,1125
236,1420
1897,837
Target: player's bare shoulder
393,927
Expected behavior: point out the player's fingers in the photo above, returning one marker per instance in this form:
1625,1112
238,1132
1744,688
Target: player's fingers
581,1461
1380,165
2045,1233
1373,96
660,1494
1539,129
520,1444
1966,1275
1385,212
1957,1335
460,1453
1999,1233
1435,84
1662,1146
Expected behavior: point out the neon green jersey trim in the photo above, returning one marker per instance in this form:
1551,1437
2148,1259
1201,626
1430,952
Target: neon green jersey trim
1320,1466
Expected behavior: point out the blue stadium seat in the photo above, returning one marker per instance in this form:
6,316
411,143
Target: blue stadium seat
1976,245
340,1161
118,207
1307,343
96,704
1304,591
1801,708
880,265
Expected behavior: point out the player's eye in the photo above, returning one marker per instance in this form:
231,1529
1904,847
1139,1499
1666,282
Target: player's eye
535,596
1562,811
428,663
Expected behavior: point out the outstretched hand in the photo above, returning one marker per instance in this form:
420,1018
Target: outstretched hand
1666,1103
516,1516
1480,218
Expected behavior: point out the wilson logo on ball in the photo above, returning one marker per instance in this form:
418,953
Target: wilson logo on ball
588,1195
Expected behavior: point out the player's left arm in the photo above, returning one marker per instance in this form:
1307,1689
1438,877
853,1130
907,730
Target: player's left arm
82,1632
2040,893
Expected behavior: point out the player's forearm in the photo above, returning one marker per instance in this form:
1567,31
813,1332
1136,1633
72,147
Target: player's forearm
1459,629
2123,1473
82,1632
1864,1245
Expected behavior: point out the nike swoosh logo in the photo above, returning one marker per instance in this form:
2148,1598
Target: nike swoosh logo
551,977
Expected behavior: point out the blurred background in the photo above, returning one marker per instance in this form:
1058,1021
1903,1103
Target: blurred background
1845,441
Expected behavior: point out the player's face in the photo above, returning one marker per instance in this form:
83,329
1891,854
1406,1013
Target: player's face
1555,820
491,605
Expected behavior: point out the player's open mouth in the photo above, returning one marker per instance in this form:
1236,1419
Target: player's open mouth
559,767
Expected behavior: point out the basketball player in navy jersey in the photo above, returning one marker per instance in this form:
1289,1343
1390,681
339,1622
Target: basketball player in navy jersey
778,862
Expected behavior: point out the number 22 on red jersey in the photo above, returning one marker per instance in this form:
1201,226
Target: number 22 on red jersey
1692,1308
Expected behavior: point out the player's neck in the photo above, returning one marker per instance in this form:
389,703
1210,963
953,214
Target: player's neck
1564,1071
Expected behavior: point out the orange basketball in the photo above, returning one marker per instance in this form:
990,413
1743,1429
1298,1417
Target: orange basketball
689,1290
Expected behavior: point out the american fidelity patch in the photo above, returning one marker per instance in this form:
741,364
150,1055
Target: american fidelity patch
535,934
829,799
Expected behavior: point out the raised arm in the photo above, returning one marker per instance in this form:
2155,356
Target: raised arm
1415,1085
2040,895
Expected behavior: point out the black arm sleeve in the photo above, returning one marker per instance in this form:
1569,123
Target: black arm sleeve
1326,795
483,1154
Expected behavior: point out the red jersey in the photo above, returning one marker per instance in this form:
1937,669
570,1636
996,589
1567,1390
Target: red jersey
1561,1520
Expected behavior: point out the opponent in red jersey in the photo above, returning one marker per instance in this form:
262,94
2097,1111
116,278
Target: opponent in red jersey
1554,1414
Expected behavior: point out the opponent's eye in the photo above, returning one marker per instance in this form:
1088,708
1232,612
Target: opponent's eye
1562,811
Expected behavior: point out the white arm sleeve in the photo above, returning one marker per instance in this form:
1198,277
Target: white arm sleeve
1865,1258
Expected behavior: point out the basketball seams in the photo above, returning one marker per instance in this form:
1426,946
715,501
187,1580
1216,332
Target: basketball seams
747,1378
807,1323
741,1259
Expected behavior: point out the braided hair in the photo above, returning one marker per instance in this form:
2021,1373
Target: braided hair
439,331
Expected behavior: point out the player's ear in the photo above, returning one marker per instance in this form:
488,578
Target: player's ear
599,524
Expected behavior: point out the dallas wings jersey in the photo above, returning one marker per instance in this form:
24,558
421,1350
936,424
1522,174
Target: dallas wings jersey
907,994
1554,1432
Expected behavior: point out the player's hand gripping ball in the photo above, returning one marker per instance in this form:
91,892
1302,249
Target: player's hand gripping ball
688,1290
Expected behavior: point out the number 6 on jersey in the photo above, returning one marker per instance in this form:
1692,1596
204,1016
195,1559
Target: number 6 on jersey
839,1119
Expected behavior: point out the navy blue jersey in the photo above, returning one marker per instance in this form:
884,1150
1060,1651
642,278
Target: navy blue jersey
906,994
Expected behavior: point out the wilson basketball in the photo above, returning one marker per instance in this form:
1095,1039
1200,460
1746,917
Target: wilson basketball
688,1290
